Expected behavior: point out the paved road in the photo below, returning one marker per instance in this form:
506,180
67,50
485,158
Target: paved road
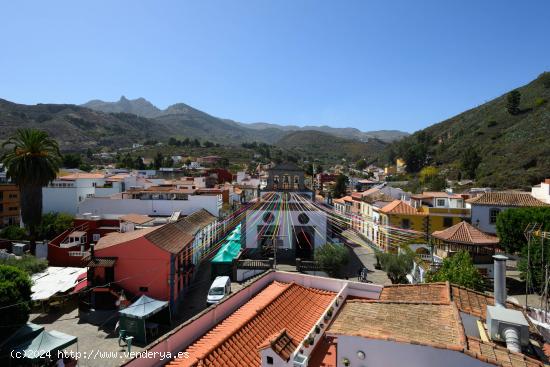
365,253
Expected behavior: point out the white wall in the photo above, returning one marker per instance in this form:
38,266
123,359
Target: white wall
381,353
480,218
541,192
287,219
103,206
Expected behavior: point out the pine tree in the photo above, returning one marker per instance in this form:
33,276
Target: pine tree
512,103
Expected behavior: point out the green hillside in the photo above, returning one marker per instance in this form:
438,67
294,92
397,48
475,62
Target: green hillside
326,147
514,149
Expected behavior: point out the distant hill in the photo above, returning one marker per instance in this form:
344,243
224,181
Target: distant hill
326,146
344,132
264,132
514,149
78,128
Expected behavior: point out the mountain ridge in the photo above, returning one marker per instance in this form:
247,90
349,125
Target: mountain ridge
142,107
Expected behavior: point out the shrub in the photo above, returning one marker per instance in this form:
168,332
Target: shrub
458,269
14,233
15,291
332,258
397,266
540,101
27,263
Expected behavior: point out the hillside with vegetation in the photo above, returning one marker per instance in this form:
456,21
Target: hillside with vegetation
326,147
502,143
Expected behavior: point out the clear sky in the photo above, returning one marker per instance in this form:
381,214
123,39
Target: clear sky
368,64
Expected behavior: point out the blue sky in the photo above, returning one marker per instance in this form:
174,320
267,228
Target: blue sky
367,64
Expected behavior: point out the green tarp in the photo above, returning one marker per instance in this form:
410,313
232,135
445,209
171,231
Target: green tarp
45,342
227,252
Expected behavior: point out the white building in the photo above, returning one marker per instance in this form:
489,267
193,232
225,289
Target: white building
286,219
485,208
542,191
64,194
150,202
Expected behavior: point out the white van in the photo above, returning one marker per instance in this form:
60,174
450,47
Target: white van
221,287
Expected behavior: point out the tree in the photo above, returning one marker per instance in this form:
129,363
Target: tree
512,102
14,233
15,292
341,186
53,224
458,269
361,164
31,164
71,160
469,162
138,163
511,224
532,263
332,257
159,159
397,266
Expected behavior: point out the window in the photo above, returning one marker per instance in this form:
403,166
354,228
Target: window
144,289
440,202
303,218
405,223
493,213
96,237
268,217
447,222
269,360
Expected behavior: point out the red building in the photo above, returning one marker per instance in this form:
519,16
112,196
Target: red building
69,247
159,261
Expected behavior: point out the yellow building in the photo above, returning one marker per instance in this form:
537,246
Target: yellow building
9,205
401,222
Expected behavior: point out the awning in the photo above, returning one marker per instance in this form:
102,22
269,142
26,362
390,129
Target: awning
144,307
25,332
44,343
80,286
101,262
54,280
228,251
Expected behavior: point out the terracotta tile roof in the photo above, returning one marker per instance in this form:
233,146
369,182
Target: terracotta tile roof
498,355
400,207
506,198
115,238
81,175
101,262
475,303
282,344
136,218
436,325
417,293
235,341
172,237
465,233
438,194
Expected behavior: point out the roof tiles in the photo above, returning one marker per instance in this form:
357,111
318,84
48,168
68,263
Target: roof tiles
506,198
465,233
235,341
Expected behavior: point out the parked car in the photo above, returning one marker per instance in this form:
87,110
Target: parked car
221,287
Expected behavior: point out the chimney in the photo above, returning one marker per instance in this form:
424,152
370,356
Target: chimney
500,280
92,253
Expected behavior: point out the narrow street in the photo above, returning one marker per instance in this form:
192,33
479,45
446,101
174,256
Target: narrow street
365,254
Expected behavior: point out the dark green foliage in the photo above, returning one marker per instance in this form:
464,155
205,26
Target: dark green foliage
512,102
361,164
14,233
32,161
341,186
545,77
533,261
397,266
504,148
28,263
458,269
511,225
15,291
332,257
53,224
469,162
72,160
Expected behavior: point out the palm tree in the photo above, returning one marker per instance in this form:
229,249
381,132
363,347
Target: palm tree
32,161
